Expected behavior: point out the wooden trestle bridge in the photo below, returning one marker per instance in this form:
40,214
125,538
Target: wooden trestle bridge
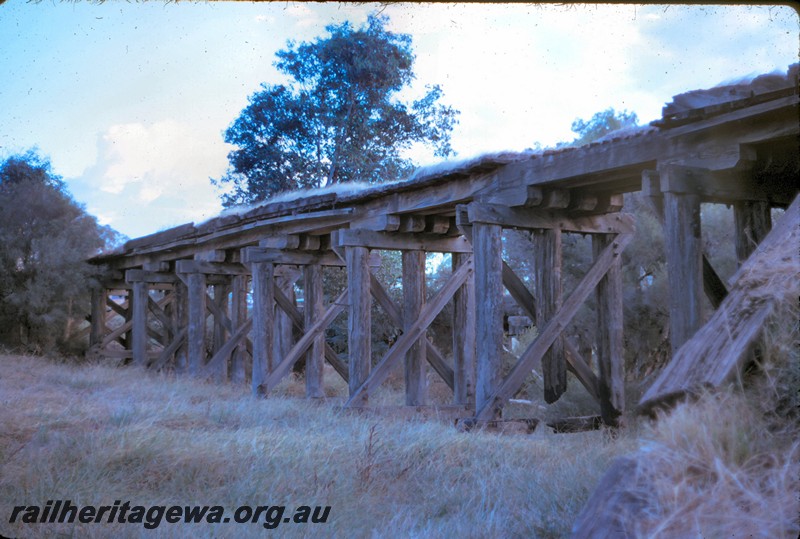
736,145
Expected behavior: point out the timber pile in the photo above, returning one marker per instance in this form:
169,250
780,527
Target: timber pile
718,351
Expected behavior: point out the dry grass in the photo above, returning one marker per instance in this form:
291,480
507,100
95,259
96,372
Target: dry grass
95,434
728,464
725,465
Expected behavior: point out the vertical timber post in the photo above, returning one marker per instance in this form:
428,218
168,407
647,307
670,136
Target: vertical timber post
181,312
487,246
238,317
221,292
413,301
127,337
99,307
196,334
139,327
263,324
464,338
752,221
284,334
359,321
610,354
547,284
313,309
684,246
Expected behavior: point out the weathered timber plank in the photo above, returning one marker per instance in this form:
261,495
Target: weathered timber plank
583,202
287,241
221,330
139,298
713,286
359,323
487,242
309,242
181,320
311,334
314,310
412,223
616,505
552,329
212,268
403,241
559,220
416,379
137,275
196,336
684,250
609,203
633,154
284,334
610,353
277,256
164,236
98,315
238,318
720,348
431,309
161,266
555,199
263,324
383,222
547,268
464,350
516,195
210,255
232,238
437,224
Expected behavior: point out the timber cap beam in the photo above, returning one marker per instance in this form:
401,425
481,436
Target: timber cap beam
252,255
527,218
402,241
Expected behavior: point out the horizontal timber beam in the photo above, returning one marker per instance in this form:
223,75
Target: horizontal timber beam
211,268
279,256
137,275
530,218
403,241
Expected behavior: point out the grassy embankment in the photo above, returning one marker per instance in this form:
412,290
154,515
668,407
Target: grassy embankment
95,434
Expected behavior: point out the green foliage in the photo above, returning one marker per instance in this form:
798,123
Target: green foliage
338,119
601,124
45,238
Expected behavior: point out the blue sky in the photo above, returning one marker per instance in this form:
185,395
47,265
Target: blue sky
130,100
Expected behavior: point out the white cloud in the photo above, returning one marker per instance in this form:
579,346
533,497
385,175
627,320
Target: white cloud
149,177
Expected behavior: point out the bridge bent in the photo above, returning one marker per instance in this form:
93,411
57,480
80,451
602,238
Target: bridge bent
736,144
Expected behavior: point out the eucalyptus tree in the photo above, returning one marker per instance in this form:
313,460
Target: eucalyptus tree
339,118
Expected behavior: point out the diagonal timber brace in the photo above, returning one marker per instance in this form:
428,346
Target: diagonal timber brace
412,335
552,329
297,351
